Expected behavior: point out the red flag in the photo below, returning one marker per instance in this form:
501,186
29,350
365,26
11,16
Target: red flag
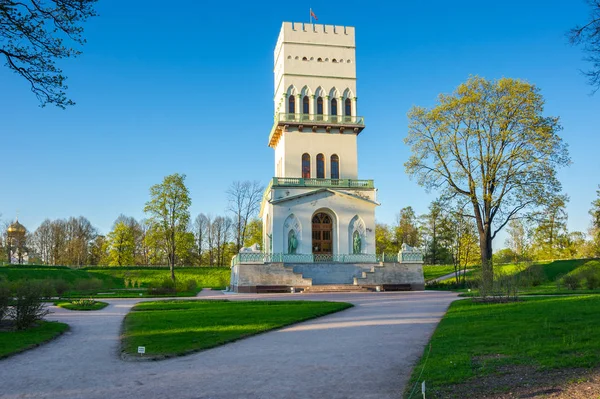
312,14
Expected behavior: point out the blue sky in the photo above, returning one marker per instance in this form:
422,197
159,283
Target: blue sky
188,88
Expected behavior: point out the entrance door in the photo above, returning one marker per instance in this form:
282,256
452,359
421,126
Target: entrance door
322,236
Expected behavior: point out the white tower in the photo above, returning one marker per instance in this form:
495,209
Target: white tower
316,208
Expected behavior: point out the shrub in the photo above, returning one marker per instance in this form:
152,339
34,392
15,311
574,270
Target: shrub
592,279
4,300
28,307
61,286
186,285
47,288
88,284
571,281
164,287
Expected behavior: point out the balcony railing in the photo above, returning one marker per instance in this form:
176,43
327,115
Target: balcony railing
320,119
300,182
261,258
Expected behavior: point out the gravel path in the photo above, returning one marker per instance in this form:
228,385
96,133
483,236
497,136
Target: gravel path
363,352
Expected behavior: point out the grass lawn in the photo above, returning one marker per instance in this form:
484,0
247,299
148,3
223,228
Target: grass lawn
12,342
206,277
475,340
170,328
79,305
118,282
434,271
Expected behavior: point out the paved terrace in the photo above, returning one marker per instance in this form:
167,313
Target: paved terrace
363,352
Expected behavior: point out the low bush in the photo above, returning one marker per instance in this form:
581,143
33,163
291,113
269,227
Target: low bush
571,281
88,284
5,298
165,287
61,286
28,307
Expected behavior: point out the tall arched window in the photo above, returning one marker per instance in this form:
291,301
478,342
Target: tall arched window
320,166
292,104
348,107
305,105
306,166
334,106
335,167
320,106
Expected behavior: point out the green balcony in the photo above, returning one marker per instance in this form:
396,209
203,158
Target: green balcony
341,120
340,183
314,121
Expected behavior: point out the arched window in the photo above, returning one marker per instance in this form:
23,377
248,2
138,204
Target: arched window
292,104
334,61
335,167
306,166
320,166
305,105
304,59
320,106
333,106
319,59
348,107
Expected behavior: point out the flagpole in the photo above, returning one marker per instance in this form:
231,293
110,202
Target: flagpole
310,15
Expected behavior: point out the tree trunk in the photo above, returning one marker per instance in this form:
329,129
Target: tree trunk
487,270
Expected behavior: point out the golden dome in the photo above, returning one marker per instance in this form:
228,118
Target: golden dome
16,228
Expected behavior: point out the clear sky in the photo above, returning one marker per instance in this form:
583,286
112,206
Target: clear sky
188,87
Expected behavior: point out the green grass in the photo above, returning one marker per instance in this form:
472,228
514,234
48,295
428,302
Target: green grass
12,342
97,305
476,339
170,328
434,271
206,277
123,282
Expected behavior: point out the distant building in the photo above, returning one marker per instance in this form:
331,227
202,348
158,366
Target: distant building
318,216
16,236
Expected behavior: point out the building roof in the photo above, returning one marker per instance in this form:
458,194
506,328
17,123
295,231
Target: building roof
16,227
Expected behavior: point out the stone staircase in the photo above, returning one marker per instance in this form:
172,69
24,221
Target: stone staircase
335,288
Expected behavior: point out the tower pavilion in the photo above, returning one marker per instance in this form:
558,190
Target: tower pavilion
318,215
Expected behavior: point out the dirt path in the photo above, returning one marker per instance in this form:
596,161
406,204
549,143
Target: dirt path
363,352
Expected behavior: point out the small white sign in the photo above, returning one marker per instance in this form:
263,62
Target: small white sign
423,389
141,350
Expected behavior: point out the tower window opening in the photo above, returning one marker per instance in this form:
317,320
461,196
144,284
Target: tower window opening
320,106
305,166
348,107
319,59
335,167
305,103
334,61
320,166
292,104
333,106
304,59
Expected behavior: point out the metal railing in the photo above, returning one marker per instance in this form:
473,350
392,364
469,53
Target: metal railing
318,118
253,257
300,182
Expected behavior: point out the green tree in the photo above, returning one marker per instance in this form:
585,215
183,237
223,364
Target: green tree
406,230
594,246
254,233
437,235
121,245
36,33
551,235
169,215
384,242
489,144
517,239
588,35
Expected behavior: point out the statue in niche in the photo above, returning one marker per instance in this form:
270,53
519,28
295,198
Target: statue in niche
357,243
292,242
